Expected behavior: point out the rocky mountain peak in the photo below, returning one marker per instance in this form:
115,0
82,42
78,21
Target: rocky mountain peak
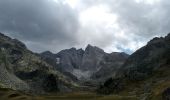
91,48
83,63
11,42
73,48
4,36
47,54
156,40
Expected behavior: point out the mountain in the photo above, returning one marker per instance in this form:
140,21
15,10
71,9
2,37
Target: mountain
89,64
21,69
145,73
149,58
92,58
109,65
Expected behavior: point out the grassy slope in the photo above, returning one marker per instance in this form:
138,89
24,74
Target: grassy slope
158,82
152,87
7,94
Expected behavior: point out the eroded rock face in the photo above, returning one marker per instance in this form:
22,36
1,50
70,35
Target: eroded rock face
166,94
91,58
70,59
10,80
91,63
21,69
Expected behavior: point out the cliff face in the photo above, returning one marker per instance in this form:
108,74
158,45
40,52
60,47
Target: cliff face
21,69
70,59
110,65
91,63
92,58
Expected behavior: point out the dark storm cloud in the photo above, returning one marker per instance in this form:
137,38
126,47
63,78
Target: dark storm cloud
47,25
39,22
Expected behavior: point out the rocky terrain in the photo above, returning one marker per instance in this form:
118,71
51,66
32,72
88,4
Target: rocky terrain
72,73
89,64
145,73
21,69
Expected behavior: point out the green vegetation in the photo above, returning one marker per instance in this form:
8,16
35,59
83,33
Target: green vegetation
117,97
1,85
158,90
149,88
7,94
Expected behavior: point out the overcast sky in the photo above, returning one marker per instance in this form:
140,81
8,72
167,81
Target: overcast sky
113,25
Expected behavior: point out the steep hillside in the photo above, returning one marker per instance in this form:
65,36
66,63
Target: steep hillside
89,64
109,65
145,74
21,69
149,58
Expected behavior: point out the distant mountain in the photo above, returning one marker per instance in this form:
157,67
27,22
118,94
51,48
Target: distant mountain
145,74
91,63
152,57
21,69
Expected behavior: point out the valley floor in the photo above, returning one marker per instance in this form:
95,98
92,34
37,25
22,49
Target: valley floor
6,94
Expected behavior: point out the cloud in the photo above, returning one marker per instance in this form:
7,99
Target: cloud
114,25
146,18
136,22
39,22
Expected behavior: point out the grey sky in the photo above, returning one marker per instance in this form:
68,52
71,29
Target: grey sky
113,25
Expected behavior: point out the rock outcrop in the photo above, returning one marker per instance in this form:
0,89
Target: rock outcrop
21,69
91,63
